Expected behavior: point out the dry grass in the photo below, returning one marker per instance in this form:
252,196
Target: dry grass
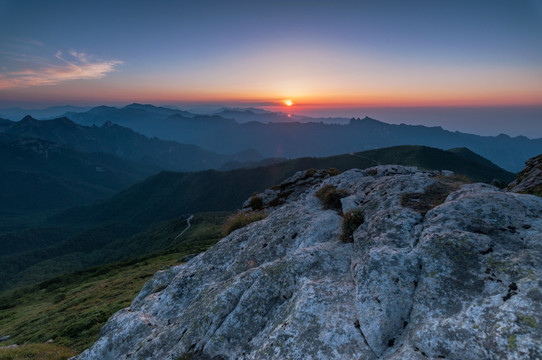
351,221
241,219
433,195
331,197
256,202
37,352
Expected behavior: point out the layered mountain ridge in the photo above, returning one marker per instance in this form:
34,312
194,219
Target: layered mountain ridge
123,142
276,135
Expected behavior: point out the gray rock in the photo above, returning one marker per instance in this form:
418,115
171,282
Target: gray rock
5,337
529,181
461,280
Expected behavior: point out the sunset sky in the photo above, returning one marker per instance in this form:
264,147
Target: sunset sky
320,54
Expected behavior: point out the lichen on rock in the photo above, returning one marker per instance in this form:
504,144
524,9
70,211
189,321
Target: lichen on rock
459,280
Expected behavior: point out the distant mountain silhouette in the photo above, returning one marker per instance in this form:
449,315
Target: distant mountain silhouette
259,115
296,139
124,142
133,115
15,113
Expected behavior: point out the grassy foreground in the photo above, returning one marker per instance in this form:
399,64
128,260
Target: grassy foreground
71,309
37,352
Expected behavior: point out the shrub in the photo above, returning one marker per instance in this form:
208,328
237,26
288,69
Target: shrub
331,197
351,221
241,219
256,202
333,171
310,173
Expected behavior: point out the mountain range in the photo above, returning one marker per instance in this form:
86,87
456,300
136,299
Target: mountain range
275,134
125,143
102,168
293,139
15,113
52,164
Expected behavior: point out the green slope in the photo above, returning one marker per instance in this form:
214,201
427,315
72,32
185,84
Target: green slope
37,175
170,194
71,309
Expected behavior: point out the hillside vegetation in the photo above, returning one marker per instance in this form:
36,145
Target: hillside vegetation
168,194
71,309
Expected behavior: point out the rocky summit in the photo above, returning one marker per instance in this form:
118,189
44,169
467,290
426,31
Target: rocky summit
386,263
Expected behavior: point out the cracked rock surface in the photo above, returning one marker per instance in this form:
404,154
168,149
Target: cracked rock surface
459,278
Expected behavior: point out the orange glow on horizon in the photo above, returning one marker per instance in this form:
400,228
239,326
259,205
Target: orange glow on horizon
335,98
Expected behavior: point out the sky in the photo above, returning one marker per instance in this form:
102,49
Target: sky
342,56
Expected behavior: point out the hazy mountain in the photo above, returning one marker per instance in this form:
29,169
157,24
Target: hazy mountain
124,142
38,175
135,116
264,116
15,113
296,139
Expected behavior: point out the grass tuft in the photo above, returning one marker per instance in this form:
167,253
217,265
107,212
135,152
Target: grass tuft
240,220
351,221
256,202
331,197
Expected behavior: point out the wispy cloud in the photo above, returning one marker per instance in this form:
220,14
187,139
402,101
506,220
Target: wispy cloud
62,67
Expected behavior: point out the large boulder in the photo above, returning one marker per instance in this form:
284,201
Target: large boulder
437,269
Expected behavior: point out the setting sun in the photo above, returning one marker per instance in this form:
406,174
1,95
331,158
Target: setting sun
288,102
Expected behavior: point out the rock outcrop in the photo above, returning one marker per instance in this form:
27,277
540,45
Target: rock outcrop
436,270
529,181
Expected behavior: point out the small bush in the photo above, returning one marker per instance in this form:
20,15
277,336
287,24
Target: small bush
351,221
240,220
333,171
256,202
310,173
331,197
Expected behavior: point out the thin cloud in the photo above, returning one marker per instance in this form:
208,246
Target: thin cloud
72,66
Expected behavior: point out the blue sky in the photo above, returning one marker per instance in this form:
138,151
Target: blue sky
321,54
